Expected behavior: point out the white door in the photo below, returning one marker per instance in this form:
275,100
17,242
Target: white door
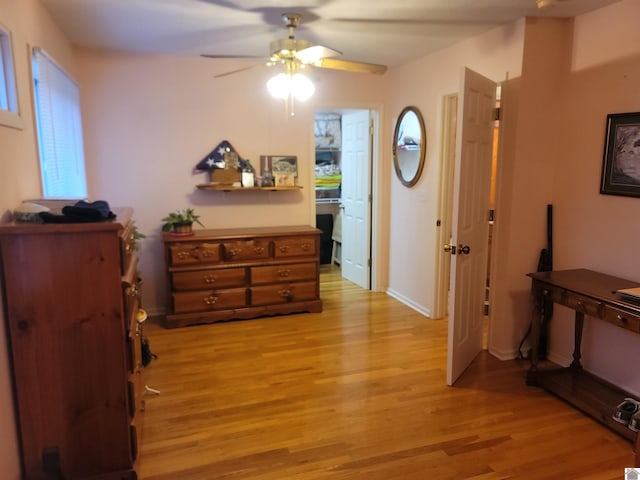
470,221
356,211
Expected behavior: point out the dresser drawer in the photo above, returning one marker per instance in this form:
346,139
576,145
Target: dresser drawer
246,250
550,293
621,318
127,247
206,300
283,273
207,279
133,350
582,304
194,253
294,247
283,293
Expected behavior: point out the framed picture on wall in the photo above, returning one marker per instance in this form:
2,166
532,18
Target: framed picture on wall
621,164
279,164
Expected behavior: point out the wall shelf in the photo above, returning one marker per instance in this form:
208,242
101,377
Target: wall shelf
230,188
328,200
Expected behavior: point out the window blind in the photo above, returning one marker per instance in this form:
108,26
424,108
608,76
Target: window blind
59,124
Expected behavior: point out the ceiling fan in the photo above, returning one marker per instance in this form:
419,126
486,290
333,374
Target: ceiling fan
295,54
547,3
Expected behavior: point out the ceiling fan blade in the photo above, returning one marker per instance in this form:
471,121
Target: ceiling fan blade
349,66
212,55
220,75
316,52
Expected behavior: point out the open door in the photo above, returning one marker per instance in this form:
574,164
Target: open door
356,207
470,221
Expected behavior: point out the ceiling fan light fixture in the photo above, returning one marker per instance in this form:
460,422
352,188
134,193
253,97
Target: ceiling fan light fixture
283,86
301,87
545,3
279,86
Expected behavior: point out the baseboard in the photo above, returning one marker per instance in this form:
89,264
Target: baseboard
500,354
409,303
561,360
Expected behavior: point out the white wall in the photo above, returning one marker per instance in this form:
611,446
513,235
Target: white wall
150,119
527,163
414,211
597,231
574,74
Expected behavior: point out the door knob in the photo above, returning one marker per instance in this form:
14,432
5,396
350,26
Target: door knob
464,249
450,249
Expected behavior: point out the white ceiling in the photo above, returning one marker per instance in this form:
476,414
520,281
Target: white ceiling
388,32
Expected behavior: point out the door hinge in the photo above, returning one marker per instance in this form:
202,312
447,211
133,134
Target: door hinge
485,310
496,113
492,215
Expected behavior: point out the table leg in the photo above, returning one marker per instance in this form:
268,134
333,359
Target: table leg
536,322
577,342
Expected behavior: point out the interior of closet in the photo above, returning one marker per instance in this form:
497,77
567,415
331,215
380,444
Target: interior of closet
328,183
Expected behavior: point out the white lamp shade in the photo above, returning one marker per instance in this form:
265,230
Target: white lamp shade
279,86
301,87
282,86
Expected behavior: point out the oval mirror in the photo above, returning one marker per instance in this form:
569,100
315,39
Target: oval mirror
409,145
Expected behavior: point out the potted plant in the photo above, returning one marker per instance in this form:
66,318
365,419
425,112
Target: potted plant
181,221
137,236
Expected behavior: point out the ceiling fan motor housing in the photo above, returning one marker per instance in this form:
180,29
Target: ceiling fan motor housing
287,47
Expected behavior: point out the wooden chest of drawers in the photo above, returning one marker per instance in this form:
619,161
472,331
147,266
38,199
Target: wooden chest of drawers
71,302
227,274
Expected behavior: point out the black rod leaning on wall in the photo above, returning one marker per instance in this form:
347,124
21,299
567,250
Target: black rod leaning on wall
546,261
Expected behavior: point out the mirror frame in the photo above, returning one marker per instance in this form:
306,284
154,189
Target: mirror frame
423,147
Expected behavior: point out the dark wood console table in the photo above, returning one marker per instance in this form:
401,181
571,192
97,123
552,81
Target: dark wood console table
593,294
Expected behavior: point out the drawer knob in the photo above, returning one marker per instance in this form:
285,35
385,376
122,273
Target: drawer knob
284,273
305,247
210,279
622,320
210,300
284,249
183,255
207,254
233,253
259,250
285,293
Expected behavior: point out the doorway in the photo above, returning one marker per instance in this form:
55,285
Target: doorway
447,159
443,263
466,207
344,162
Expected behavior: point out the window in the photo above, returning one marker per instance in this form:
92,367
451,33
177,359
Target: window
9,114
59,125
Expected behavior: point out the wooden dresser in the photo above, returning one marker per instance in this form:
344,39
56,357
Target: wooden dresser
70,303
238,273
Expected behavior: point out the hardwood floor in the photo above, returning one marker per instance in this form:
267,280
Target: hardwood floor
355,392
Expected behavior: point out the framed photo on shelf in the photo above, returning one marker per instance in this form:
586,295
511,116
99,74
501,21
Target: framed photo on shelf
621,163
279,164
